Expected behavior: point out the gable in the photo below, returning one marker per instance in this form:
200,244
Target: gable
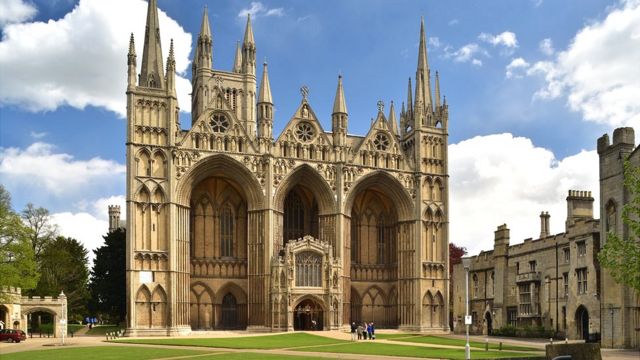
380,147
303,133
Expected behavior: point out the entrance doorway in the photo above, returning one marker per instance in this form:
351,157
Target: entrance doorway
489,320
229,312
582,323
308,316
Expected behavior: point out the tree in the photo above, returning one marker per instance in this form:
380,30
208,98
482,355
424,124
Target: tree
63,264
455,255
43,230
17,263
619,255
108,277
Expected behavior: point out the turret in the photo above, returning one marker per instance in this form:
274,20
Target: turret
393,123
131,64
249,50
203,57
114,217
339,116
265,106
151,70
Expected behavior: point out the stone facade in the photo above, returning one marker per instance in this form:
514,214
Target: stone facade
16,312
552,281
620,304
229,227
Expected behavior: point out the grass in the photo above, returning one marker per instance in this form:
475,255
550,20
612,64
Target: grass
103,329
255,356
247,342
437,340
101,353
48,328
372,348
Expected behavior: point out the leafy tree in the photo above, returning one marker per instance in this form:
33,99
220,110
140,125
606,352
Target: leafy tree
63,265
17,262
619,255
455,255
43,230
108,289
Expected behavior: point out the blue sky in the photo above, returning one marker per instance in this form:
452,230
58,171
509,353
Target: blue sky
531,85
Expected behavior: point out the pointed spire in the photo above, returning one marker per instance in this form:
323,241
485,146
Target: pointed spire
131,63
423,68
132,46
205,28
393,123
339,104
237,63
171,60
437,90
203,57
248,32
171,71
152,71
265,87
409,99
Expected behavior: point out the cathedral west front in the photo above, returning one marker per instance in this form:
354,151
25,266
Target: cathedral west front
230,226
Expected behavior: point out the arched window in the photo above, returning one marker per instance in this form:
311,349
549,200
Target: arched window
308,269
381,239
355,239
293,217
226,231
611,217
229,312
475,285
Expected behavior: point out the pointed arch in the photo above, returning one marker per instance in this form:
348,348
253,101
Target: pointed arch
158,165
305,174
386,184
143,163
143,307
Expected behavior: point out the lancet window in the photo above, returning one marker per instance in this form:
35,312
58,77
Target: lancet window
226,231
293,217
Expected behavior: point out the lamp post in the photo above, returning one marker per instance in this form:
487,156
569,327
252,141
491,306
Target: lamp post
466,262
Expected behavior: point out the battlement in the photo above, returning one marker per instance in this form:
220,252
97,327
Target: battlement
12,290
113,208
580,194
621,136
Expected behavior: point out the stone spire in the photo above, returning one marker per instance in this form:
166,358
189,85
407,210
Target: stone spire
203,57
237,62
152,71
265,88
131,63
409,101
418,107
437,90
249,50
422,72
171,71
339,104
393,123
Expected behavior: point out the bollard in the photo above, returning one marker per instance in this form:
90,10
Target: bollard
486,346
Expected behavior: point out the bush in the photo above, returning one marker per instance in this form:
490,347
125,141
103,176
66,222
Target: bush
527,331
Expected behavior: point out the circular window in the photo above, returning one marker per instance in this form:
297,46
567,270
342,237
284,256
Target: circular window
381,142
304,131
219,123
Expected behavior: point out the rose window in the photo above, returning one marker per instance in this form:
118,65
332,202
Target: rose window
304,131
381,142
219,123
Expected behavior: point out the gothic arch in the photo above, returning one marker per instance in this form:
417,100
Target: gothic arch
313,298
222,166
201,304
386,184
158,164
356,306
235,289
159,307
305,174
374,302
143,306
438,310
427,309
143,163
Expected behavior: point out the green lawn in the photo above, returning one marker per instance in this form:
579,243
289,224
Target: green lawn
373,348
48,328
437,340
101,353
247,342
103,329
256,356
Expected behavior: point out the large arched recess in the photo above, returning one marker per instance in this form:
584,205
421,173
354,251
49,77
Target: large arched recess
305,175
225,167
386,184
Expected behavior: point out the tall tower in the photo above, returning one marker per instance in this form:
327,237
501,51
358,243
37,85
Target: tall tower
114,217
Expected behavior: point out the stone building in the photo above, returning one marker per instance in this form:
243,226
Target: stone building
620,304
16,311
552,281
232,226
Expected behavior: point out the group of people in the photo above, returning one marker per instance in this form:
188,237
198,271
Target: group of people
363,331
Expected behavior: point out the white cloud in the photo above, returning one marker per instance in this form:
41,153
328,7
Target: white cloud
16,11
500,178
516,68
59,174
434,42
467,53
257,9
599,72
80,59
507,39
37,135
546,47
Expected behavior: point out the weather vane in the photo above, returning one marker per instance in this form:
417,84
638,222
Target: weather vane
380,105
304,90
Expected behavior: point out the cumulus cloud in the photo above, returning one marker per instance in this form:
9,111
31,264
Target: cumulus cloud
257,9
16,11
516,67
507,39
467,53
598,73
38,166
80,59
491,186
546,47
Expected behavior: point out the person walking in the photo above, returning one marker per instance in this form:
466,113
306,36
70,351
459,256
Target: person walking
353,331
373,331
360,330
369,331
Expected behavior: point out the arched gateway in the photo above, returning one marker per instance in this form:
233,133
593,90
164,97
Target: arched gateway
230,226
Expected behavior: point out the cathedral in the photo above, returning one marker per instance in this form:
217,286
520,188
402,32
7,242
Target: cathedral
230,226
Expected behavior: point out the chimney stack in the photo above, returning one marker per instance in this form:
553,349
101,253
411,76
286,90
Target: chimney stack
544,224
579,206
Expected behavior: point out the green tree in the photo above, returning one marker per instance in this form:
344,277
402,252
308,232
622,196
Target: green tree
619,255
43,230
17,262
63,266
108,277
